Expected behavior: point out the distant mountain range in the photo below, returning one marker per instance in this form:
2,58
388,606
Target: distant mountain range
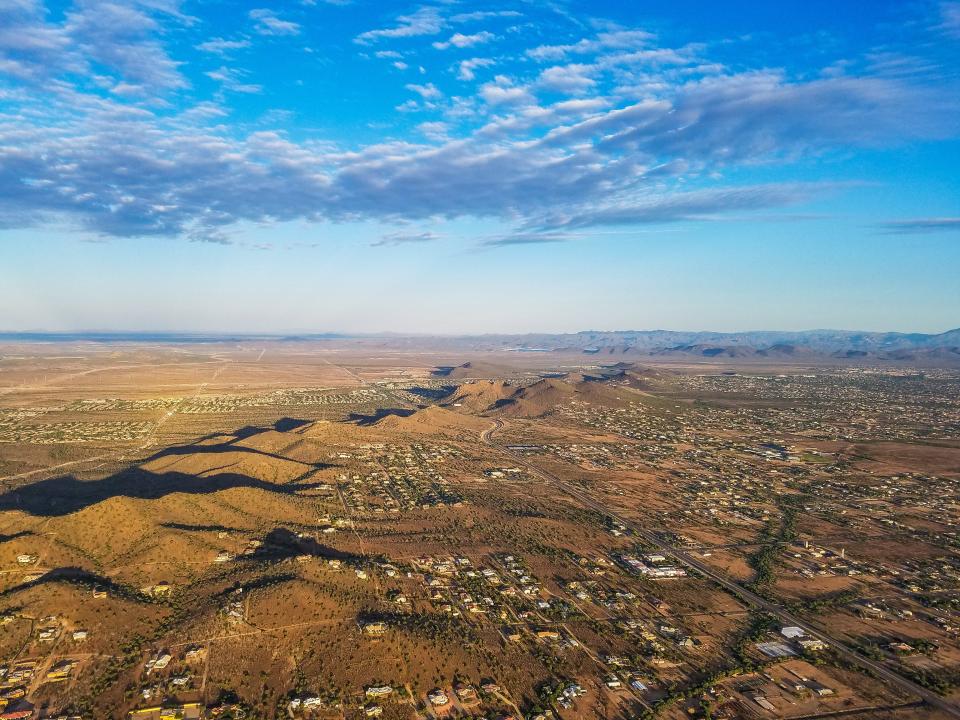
838,345
812,345
941,348
817,340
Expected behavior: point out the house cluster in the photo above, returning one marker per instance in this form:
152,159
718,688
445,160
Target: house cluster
505,473
55,433
398,478
848,404
229,403
774,692
157,590
61,670
457,587
305,703
15,678
48,629
790,642
651,565
816,561
169,673
234,606
594,456
185,711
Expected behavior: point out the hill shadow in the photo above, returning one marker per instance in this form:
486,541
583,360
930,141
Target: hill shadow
288,424
282,543
186,527
380,414
265,581
15,536
432,393
65,494
229,446
81,578
284,424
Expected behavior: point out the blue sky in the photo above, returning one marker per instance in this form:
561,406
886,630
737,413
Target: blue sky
456,166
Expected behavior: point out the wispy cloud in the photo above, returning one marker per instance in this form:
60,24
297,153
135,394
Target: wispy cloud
268,23
459,40
949,19
220,46
696,205
613,40
93,37
467,67
425,21
502,91
430,20
542,238
913,226
232,80
571,79
427,92
405,239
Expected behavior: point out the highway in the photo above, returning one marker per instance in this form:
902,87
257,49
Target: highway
747,596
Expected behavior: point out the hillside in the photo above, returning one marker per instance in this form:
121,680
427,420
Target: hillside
545,395
476,397
431,420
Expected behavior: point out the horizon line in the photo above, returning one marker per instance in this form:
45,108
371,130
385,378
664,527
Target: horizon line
340,334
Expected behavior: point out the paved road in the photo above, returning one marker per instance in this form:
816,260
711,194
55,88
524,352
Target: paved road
747,596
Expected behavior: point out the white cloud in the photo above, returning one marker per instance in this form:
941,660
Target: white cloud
484,15
434,130
613,40
501,91
231,80
460,40
425,21
429,20
267,23
427,92
467,67
94,38
571,79
220,46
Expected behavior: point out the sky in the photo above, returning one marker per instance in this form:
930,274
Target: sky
479,167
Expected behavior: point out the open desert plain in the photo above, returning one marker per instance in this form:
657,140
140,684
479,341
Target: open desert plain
479,360
266,528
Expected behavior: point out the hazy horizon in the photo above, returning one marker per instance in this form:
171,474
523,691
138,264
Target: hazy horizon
310,333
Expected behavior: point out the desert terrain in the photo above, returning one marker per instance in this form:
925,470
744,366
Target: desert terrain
332,529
